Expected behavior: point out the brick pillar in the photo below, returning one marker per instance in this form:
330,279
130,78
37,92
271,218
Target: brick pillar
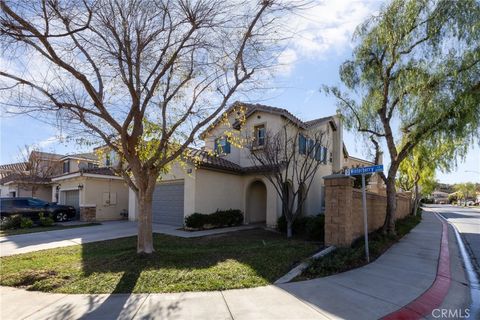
338,210
88,213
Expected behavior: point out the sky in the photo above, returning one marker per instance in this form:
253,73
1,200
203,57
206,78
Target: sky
322,41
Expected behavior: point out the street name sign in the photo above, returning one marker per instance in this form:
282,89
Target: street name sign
363,171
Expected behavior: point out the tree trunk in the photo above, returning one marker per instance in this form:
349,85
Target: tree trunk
289,229
417,200
145,233
389,224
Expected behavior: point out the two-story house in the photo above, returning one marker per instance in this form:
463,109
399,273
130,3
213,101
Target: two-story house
230,179
88,184
31,178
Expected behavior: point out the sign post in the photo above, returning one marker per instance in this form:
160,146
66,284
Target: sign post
363,171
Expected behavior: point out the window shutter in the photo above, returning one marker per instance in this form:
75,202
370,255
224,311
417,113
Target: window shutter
227,146
325,152
302,144
318,152
215,147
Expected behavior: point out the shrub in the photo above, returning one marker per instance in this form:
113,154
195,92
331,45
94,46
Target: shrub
310,227
26,223
12,222
220,218
195,220
45,221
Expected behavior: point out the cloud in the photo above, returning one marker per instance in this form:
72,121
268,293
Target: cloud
324,27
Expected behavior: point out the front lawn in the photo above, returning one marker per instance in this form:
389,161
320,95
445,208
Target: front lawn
235,260
12,232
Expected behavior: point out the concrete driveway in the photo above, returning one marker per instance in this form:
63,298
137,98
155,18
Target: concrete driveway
30,242
23,243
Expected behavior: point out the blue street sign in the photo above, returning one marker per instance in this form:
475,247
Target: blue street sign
364,170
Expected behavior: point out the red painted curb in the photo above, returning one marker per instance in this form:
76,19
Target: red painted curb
434,296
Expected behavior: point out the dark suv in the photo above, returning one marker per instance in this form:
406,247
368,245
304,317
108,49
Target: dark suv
31,207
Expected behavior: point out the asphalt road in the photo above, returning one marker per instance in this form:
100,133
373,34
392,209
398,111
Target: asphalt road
467,221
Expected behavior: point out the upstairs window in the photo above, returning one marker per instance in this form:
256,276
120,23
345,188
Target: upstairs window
260,135
222,146
66,166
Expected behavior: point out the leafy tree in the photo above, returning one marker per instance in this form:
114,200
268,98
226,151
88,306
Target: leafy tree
142,77
414,76
465,191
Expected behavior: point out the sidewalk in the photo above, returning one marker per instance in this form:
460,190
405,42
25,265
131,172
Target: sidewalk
398,277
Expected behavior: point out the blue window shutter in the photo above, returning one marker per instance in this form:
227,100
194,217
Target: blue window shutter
318,152
302,144
227,146
325,152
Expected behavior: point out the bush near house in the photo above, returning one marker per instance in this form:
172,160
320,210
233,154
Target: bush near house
310,227
26,223
45,221
218,219
12,222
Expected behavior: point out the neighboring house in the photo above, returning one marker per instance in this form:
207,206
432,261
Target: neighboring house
32,177
80,180
440,197
91,187
6,170
231,180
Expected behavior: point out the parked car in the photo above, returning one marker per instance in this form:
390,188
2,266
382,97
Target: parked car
31,207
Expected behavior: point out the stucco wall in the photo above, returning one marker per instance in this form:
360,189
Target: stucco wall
94,190
92,195
344,212
216,190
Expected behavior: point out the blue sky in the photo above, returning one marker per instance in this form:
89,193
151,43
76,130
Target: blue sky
322,41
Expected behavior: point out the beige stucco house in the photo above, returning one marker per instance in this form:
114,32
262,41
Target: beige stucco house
82,180
89,185
231,180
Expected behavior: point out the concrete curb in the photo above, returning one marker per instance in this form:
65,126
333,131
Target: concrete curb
304,265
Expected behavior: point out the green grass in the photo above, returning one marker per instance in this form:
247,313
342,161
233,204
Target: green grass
12,232
235,260
344,259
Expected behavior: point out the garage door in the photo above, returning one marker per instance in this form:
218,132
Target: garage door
168,203
72,199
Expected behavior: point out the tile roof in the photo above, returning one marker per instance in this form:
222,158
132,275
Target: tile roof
20,178
13,167
86,156
209,161
105,171
252,108
49,155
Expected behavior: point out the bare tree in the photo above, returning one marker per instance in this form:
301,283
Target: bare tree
290,160
39,169
142,76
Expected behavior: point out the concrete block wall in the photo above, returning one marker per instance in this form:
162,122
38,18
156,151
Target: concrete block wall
344,212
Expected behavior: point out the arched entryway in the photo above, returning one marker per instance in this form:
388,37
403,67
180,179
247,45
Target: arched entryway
256,202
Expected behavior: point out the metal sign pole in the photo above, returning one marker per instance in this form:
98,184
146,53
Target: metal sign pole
365,221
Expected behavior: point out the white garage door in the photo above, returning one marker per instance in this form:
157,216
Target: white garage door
168,203
72,199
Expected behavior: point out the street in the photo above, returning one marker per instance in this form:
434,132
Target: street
467,222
